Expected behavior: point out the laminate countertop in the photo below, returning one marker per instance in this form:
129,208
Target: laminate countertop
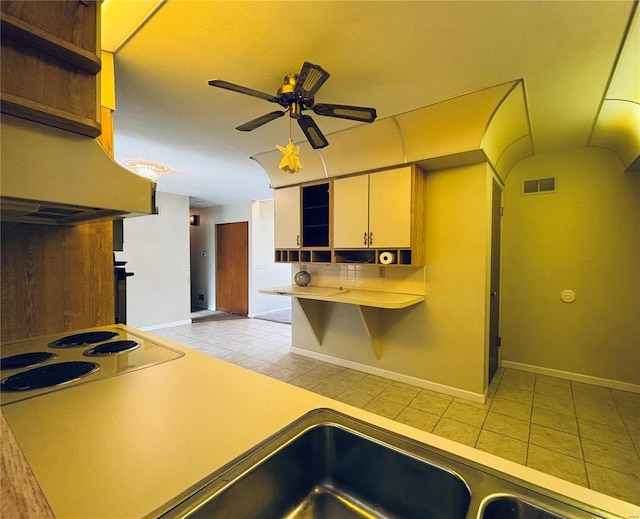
372,298
124,446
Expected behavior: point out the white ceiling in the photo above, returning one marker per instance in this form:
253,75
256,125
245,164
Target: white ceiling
393,55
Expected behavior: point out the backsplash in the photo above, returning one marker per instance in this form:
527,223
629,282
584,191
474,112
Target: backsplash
405,280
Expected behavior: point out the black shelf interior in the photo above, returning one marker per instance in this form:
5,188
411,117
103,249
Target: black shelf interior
315,215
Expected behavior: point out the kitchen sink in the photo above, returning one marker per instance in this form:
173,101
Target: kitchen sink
509,507
329,465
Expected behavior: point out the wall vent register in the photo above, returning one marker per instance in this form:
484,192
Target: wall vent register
540,185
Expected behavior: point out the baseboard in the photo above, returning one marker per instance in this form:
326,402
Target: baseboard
392,375
163,325
577,377
269,312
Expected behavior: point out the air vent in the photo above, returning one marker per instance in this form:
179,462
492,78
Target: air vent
538,186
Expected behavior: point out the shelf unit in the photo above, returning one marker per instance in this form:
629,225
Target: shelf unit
402,257
320,213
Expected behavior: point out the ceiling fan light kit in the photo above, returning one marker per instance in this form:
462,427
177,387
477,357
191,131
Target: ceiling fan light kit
296,95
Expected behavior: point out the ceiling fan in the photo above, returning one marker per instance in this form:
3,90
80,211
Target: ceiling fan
297,95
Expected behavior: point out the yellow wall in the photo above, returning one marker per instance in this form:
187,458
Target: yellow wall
441,341
584,237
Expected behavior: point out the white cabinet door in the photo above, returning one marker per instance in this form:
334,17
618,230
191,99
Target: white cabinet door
287,217
351,212
390,208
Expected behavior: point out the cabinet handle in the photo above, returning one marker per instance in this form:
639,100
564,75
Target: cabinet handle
298,240
365,237
370,238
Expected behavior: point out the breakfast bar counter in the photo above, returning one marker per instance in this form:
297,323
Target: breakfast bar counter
123,447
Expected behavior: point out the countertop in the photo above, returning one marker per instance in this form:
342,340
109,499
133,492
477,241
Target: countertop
349,296
122,447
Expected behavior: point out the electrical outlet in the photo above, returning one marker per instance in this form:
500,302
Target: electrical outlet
380,272
200,297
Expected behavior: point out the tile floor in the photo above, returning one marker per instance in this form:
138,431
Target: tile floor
586,434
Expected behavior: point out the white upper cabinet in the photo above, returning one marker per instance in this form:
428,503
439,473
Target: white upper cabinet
373,210
287,217
351,212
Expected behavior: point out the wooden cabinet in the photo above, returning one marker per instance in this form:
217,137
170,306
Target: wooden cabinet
302,223
287,217
355,219
50,63
374,210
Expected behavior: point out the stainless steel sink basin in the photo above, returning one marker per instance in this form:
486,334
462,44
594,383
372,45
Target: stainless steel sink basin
329,465
509,507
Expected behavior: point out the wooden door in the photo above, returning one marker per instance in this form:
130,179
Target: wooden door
390,208
287,217
232,267
350,212
494,296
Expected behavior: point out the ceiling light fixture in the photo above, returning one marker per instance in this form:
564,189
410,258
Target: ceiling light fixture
146,168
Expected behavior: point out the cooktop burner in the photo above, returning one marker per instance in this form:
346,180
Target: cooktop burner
65,361
82,339
46,376
24,360
112,348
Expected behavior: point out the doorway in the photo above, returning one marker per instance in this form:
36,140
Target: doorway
232,267
494,283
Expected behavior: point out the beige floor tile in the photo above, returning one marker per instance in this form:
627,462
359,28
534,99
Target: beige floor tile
628,403
614,484
552,381
518,379
559,421
402,385
326,371
557,464
383,407
507,426
554,390
354,397
591,388
418,419
554,404
426,401
595,412
329,389
555,440
478,405
285,374
595,399
611,457
466,414
511,408
457,431
515,394
306,381
372,385
398,394
348,377
502,446
605,434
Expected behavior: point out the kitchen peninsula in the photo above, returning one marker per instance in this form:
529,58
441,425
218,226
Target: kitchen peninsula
125,446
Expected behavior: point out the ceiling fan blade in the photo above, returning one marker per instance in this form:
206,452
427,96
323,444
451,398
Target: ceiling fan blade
313,133
355,113
255,123
242,90
310,79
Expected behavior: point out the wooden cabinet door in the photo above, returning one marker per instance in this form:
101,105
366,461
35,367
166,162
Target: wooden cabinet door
390,208
351,212
287,217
